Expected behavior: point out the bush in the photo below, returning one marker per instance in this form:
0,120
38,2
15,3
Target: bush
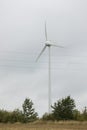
47,117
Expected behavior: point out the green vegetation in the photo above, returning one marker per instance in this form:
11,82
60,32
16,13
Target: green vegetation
28,114
28,111
63,109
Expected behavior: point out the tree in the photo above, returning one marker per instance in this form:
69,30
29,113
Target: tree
84,114
77,115
63,109
4,116
47,117
16,116
28,111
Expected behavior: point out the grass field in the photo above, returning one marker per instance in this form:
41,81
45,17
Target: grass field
46,126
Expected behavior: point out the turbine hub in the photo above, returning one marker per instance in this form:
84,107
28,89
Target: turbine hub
48,43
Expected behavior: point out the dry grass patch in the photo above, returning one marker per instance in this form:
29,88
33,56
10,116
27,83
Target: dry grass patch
62,125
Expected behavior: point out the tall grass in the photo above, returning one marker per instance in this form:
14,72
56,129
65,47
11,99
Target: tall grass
63,125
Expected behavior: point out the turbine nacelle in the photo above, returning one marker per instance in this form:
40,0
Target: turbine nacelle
48,43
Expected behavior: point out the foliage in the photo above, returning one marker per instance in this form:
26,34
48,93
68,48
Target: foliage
47,117
84,114
16,116
28,111
4,116
63,109
27,115
76,115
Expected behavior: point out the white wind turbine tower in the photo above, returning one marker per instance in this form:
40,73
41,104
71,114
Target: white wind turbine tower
48,44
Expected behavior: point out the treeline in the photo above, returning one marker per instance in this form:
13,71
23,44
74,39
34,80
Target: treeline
27,114
63,109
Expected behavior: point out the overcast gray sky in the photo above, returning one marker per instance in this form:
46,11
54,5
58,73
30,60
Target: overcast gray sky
22,37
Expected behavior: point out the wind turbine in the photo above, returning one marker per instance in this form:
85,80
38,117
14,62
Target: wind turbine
48,44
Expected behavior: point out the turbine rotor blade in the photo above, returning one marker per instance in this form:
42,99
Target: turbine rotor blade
57,45
45,31
41,53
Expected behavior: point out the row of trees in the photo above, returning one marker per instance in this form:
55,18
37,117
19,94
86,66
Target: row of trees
63,109
28,114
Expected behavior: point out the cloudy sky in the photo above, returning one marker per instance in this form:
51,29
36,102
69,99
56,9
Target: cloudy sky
22,36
